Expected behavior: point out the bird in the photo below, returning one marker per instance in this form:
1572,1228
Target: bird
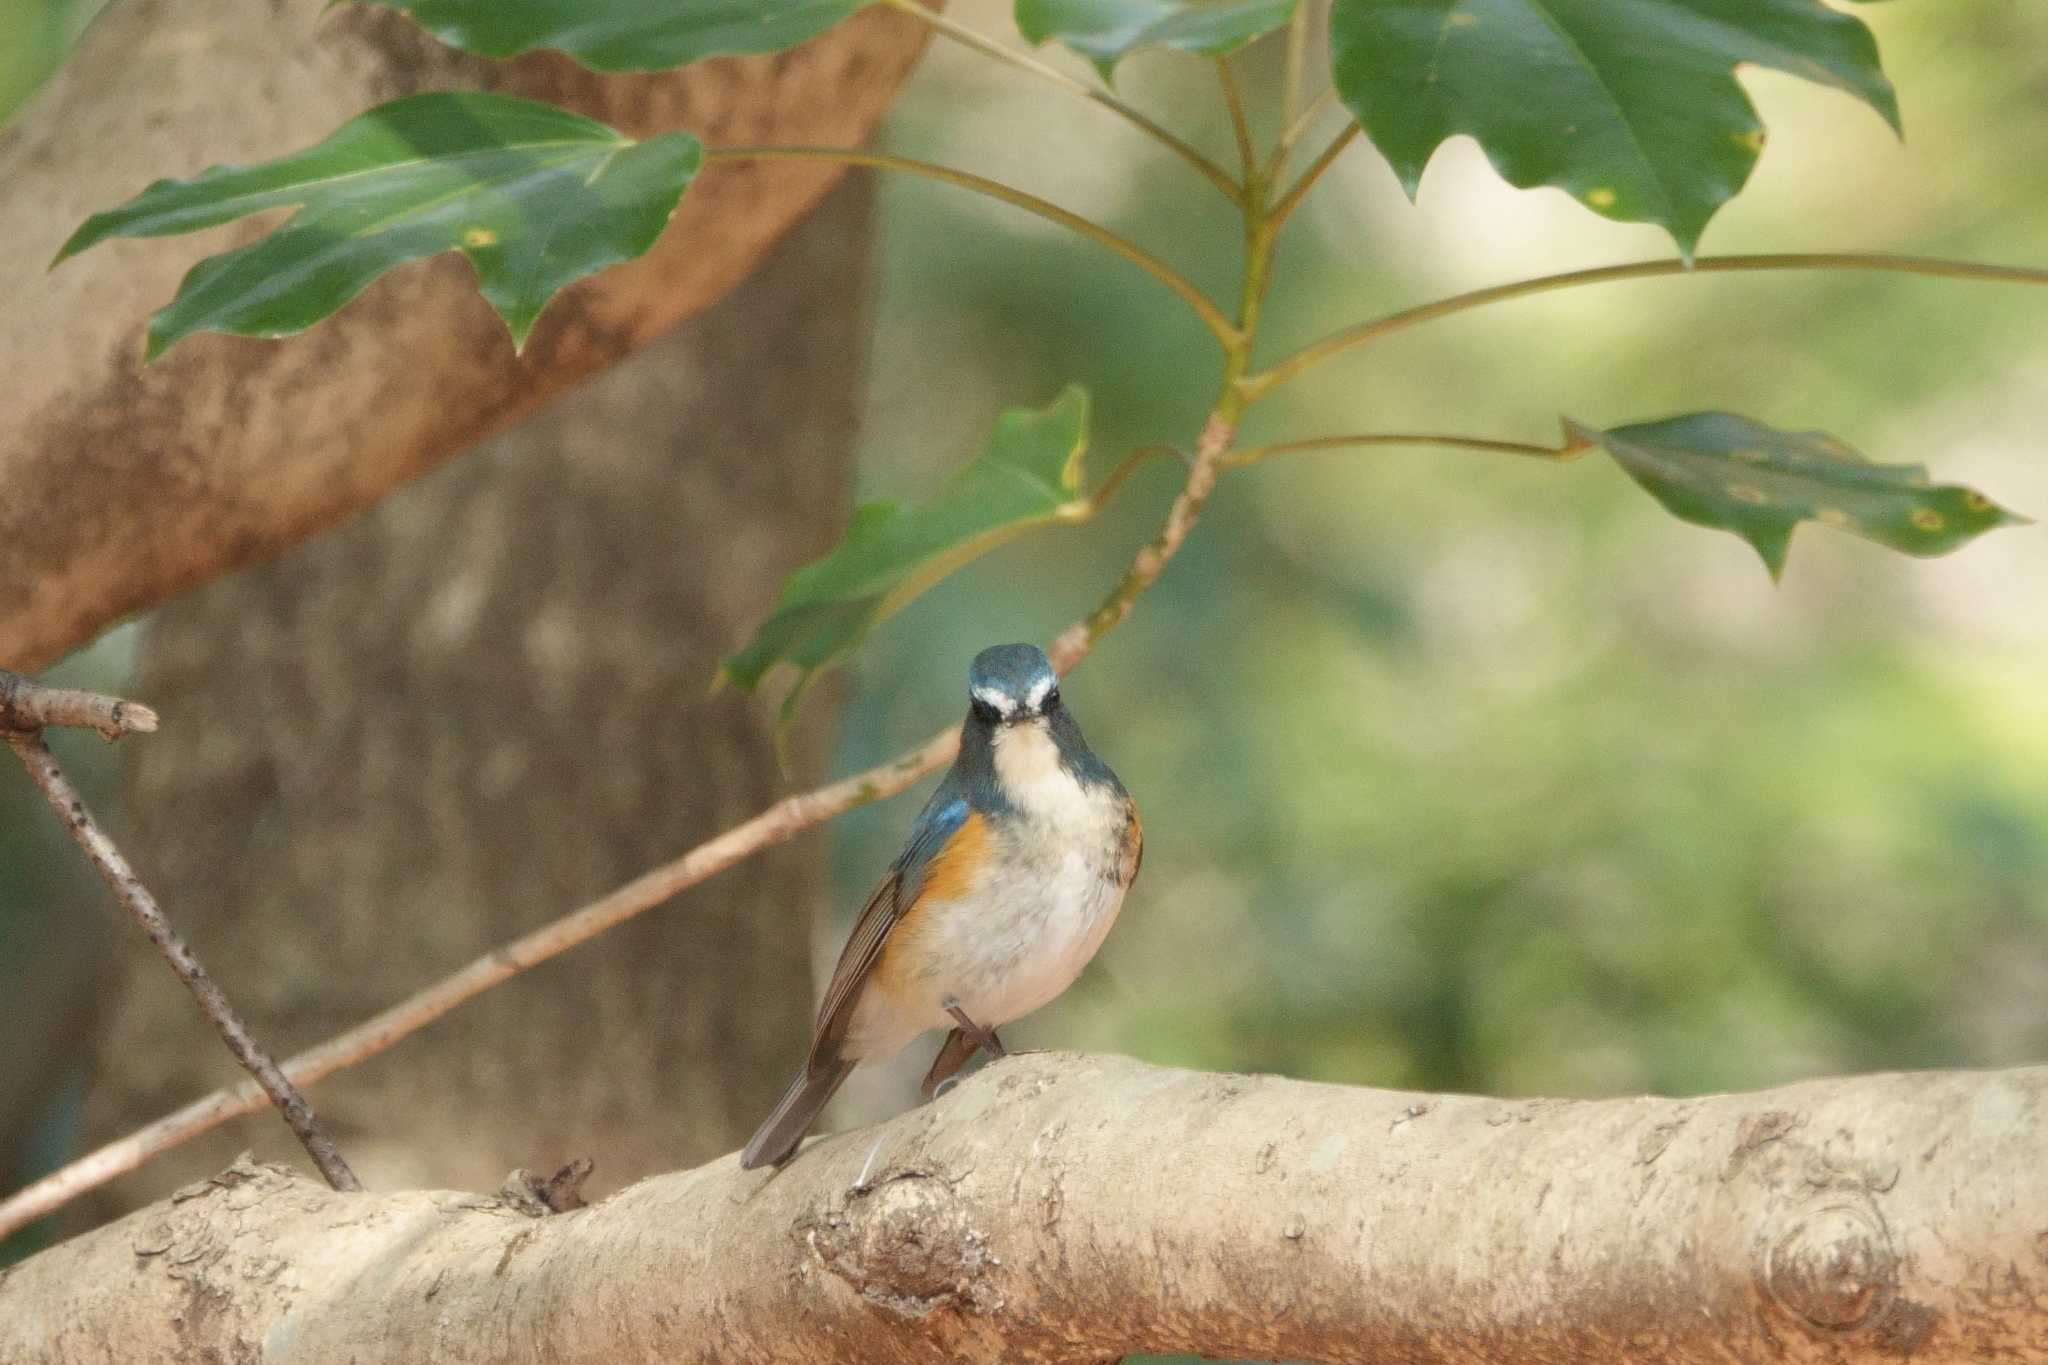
1012,877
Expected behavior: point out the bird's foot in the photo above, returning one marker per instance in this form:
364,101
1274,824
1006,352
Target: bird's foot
981,1037
958,1049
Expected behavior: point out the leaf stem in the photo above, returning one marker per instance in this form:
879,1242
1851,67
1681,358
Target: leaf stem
1251,455
1110,485
960,33
1336,343
1292,199
1240,125
1297,62
1298,129
1212,317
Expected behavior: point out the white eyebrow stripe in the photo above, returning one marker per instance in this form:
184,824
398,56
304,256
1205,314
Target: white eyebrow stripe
1039,691
1002,701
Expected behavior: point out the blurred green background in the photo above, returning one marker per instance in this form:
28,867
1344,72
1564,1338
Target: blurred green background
1461,772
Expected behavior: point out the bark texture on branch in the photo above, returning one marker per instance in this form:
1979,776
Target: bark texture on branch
124,485
1066,1208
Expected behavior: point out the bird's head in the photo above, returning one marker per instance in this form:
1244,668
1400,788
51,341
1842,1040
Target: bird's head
1012,684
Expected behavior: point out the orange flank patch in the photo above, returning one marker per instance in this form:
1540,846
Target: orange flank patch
954,868
950,874
1134,846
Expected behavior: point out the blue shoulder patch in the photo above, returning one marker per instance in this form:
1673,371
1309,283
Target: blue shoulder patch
938,822
935,826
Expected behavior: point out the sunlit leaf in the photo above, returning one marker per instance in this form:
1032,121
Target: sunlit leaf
1106,31
1630,106
1718,469
1028,475
625,35
536,198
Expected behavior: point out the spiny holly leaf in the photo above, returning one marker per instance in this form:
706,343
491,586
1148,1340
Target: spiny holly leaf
1106,31
1718,469
536,198
625,35
1028,475
1630,106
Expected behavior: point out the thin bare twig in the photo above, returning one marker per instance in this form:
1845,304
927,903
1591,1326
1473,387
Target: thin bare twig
27,706
42,767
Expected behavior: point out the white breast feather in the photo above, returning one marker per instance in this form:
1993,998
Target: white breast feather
1054,898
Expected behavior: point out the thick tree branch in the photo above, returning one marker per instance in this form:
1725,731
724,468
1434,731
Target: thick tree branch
239,448
1066,1208
120,878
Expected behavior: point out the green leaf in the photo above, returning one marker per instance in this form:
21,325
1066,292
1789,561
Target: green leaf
1718,469
536,198
1028,475
1630,106
625,35
1107,31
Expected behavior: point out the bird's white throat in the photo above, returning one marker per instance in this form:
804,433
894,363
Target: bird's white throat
1027,762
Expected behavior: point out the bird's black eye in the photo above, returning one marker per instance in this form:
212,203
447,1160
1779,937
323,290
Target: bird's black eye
985,713
1052,700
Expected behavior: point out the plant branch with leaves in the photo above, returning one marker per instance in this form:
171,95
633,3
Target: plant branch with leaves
1630,106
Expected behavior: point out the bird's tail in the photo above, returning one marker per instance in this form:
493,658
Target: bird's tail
793,1115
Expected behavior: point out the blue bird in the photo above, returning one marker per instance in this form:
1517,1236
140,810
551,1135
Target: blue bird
1012,878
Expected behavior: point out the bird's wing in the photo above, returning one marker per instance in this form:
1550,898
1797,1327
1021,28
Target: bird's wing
893,895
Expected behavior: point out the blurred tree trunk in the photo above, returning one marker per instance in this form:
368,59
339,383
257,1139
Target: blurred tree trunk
473,708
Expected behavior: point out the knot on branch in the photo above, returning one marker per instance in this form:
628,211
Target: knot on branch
1834,1268
907,1245
537,1196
